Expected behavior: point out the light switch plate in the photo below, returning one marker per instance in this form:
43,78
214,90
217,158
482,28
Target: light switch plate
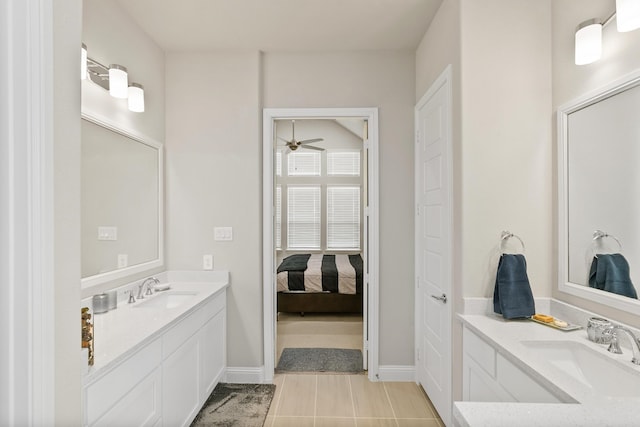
223,233
207,262
107,233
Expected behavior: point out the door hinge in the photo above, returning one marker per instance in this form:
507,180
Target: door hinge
366,211
418,209
367,144
417,137
417,354
366,345
418,282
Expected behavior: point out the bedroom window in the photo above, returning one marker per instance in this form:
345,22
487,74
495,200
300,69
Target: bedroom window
343,163
303,217
303,164
343,217
278,217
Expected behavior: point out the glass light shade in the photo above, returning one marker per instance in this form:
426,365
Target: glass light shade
83,62
588,42
136,98
118,82
627,15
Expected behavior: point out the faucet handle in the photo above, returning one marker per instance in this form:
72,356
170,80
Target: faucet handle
149,290
614,345
132,299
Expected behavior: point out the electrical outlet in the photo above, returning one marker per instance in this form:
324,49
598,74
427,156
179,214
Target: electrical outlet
207,262
123,260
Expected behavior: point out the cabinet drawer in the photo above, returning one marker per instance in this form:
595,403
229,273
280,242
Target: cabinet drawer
105,392
522,387
176,336
481,352
212,307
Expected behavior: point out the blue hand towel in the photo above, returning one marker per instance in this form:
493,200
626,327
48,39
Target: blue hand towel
512,296
610,272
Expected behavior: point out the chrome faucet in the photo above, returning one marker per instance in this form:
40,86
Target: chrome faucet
146,282
614,346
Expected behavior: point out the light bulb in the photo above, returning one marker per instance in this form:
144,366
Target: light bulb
83,62
136,97
118,82
588,42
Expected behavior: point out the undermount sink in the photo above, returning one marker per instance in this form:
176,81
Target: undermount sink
602,374
167,300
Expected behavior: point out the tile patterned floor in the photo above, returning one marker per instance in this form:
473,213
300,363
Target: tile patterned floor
327,400
348,400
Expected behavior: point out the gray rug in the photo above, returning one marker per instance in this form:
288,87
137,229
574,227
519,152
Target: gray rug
320,360
236,405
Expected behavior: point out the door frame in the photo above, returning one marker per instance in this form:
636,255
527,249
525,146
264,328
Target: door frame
371,304
444,80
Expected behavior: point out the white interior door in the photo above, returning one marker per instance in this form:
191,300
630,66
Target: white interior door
433,245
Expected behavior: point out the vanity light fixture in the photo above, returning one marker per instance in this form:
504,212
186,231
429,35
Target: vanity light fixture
114,79
588,36
628,15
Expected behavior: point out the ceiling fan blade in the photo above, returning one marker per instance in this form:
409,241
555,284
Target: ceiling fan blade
282,139
311,147
310,141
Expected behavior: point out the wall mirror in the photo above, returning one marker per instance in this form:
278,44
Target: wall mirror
599,184
122,202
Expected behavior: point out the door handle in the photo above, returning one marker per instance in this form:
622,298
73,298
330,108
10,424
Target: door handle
442,298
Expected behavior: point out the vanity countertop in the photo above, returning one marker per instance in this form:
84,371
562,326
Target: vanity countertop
506,336
119,332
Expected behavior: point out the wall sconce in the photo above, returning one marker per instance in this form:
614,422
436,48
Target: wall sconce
588,36
113,79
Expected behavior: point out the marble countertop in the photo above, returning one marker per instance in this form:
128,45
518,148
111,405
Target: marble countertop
589,409
120,332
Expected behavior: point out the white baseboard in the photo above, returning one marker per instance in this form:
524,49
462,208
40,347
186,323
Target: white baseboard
404,373
239,375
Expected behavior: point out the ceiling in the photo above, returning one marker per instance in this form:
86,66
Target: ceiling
283,25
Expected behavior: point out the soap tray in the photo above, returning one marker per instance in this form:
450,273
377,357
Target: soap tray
567,328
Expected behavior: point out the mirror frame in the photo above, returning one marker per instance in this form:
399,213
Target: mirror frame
109,276
564,285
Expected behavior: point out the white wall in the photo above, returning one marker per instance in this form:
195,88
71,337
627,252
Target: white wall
619,58
506,139
67,23
368,79
214,177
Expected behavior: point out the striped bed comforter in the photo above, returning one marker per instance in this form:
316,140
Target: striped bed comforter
321,273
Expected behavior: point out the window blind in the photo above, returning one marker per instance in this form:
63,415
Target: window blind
303,217
303,163
343,217
343,163
278,163
278,217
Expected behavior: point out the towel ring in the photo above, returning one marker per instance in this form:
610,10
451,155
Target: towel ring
599,234
505,235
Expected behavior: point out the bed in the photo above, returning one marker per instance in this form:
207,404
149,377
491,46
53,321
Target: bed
317,283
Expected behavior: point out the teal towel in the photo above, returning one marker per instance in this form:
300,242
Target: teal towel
610,272
512,296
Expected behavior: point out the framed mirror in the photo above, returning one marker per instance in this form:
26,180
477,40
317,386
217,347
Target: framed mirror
122,202
598,188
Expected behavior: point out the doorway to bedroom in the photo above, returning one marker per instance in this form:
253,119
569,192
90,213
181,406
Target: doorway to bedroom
320,238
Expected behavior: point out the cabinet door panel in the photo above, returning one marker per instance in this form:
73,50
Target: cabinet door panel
180,394
478,386
139,407
212,353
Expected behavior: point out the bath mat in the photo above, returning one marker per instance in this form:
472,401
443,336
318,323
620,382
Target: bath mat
236,405
320,360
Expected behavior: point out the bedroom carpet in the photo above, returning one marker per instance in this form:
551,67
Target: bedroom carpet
236,405
320,360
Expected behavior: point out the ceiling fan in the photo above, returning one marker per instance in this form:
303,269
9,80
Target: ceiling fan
293,144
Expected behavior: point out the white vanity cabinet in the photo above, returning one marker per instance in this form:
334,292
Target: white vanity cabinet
490,377
164,382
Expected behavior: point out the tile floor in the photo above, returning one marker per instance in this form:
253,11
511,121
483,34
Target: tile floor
307,400
326,400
